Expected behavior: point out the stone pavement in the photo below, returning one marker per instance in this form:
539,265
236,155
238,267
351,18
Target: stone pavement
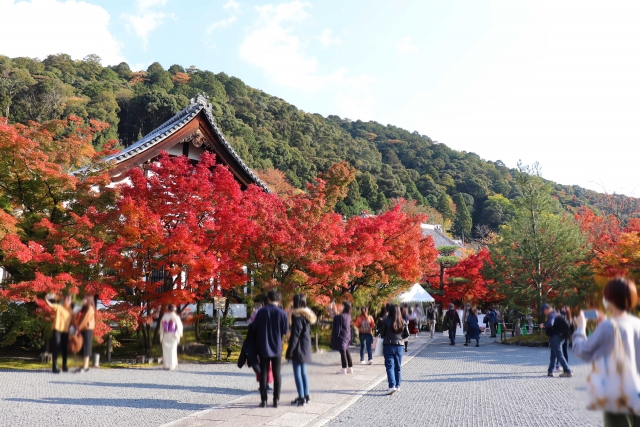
494,385
491,386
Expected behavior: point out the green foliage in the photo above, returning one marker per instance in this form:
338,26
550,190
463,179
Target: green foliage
270,133
541,252
462,223
22,328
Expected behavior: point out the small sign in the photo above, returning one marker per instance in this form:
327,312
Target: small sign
219,303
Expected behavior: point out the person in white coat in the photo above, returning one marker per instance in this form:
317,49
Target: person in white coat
170,333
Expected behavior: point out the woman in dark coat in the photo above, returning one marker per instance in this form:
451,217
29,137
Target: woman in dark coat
299,349
341,337
473,328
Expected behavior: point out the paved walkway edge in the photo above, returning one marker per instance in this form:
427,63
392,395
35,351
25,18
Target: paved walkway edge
330,414
323,418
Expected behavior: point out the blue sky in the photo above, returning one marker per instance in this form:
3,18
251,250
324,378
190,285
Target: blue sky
548,81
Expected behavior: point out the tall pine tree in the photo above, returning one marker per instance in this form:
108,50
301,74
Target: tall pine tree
462,223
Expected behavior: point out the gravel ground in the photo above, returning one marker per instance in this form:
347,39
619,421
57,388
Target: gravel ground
117,397
493,385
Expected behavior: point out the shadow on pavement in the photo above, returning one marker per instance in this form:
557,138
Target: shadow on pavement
193,389
121,403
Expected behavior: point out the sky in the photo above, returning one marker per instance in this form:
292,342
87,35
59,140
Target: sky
557,82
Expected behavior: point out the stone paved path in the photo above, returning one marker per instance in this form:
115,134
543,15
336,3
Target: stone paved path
493,385
490,386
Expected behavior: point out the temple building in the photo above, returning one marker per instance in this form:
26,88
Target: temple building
191,132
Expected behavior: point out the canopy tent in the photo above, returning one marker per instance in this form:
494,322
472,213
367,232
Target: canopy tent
415,294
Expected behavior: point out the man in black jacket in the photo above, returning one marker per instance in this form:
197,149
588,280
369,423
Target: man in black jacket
270,326
452,321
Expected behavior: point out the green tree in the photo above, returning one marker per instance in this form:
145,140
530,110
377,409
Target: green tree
462,223
540,252
444,206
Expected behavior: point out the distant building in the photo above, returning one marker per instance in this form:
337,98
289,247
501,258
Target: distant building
440,238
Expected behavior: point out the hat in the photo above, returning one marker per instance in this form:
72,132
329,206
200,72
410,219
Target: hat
544,307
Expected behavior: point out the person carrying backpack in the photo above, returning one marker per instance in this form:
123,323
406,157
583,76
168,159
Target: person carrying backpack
557,328
364,323
451,322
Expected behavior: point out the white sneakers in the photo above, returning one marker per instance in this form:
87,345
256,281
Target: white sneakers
392,390
349,370
362,362
345,371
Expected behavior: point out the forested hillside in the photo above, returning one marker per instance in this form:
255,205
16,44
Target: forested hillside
465,190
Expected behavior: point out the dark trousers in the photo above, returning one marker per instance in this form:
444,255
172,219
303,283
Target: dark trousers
345,358
60,342
621,420
275,363
494,329
452,334
365,343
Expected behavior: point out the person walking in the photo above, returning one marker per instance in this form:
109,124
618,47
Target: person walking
170,334
259,303
620,297
299,348
392,332
565,312
61,325
431,319
85,328
451,322
341,336
465,314
419,314
493,322
413,322
556,333
365,324
405,317
270,326
473,327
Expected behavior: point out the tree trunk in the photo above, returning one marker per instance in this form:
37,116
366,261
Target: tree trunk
197,325
156,333
442,279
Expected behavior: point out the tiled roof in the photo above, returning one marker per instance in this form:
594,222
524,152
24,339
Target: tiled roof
439,237
174,124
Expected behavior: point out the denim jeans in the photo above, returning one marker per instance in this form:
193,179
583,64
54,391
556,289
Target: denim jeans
393,363
452,334
300,375
555,347
365,341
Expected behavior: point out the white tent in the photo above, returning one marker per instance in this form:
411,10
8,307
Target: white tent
415,294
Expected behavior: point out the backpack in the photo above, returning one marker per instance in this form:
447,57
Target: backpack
447,322
169,326
365,326
561,326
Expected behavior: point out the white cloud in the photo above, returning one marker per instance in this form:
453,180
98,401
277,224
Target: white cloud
231,4
327,38
76,28
221,24
147,18
406,45
273,46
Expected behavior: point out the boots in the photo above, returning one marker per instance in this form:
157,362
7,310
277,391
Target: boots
298,402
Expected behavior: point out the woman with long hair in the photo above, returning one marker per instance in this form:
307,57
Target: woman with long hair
391,333
85,328
299,349
341,336
620,332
